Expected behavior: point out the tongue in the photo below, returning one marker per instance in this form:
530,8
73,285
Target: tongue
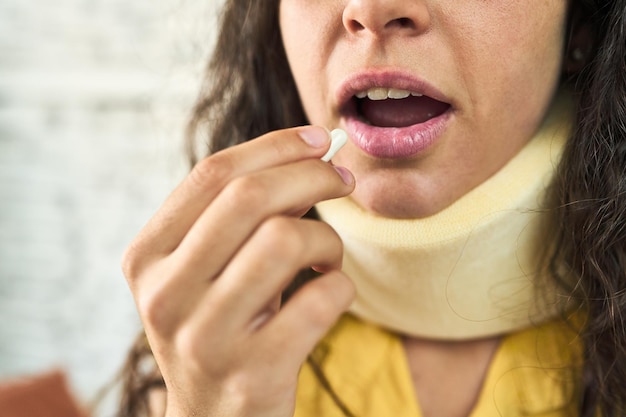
401,113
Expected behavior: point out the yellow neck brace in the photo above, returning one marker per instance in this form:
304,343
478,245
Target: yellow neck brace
469,271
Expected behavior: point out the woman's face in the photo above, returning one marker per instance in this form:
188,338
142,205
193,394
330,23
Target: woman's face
469,81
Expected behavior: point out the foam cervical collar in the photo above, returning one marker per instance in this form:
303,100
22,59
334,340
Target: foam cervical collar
469,271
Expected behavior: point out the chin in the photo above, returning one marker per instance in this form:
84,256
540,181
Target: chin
396,200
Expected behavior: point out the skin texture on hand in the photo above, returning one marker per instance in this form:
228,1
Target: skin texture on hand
208,269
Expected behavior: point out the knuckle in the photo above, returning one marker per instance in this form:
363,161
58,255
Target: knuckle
284,148
150,306
330,234
323,309
253,391
188,345
203,351
283,236
212,171
129,263
155,308
133,261
247,192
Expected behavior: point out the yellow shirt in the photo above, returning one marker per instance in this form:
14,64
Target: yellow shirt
533,373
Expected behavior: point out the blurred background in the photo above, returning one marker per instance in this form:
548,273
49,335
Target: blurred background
94,95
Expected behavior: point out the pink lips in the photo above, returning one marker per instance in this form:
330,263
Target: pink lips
390,142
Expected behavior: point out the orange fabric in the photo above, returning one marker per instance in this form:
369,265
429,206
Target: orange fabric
44,395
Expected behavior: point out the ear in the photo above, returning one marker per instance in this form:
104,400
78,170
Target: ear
580,38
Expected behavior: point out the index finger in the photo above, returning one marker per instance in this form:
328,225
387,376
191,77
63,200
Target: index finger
170,224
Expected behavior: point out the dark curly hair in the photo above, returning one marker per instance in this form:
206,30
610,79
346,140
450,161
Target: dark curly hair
249,65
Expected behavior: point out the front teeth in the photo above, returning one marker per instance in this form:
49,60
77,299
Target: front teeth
381,93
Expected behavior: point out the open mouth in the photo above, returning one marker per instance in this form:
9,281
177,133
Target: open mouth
391,107
392,114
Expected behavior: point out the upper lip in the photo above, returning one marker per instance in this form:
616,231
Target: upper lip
398,79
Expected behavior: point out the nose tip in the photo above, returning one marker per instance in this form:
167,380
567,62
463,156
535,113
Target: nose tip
381,17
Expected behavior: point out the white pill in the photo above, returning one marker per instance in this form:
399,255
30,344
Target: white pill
338,138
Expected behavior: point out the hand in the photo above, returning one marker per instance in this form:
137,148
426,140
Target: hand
208,269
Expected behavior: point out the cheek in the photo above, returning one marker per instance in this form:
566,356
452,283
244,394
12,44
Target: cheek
509,68
509,48
309,36
311,89
300,47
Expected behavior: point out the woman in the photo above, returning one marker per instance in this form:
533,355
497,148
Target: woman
469,262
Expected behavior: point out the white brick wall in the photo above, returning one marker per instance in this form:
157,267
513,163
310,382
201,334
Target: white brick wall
93,98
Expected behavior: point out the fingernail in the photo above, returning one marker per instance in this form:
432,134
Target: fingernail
314,136
345,175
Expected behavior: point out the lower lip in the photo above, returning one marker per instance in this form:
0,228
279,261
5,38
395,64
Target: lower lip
396,142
